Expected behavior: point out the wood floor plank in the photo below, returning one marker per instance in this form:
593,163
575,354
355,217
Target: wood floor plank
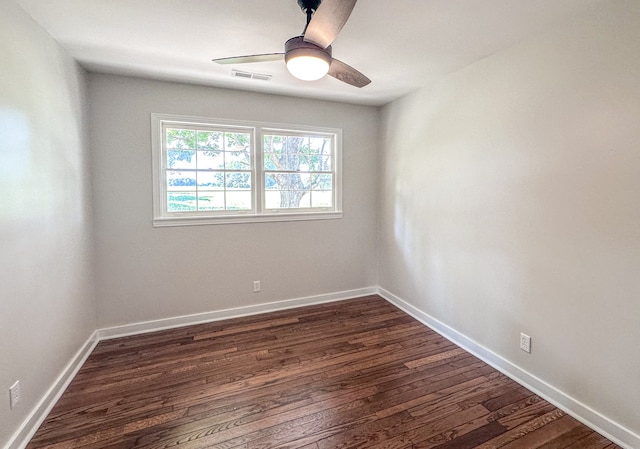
353,374
544,434
593,441
472,439
567,439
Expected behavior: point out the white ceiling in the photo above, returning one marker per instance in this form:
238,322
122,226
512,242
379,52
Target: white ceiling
401,44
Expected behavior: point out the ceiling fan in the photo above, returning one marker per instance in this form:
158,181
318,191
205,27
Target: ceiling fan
308,56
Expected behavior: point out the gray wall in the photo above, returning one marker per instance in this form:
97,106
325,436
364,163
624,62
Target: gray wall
509,202
506,201
47,308
145,273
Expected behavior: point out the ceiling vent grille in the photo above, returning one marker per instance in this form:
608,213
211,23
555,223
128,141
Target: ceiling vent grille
249,75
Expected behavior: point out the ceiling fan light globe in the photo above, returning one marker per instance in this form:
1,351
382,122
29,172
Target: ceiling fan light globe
308,67
306,61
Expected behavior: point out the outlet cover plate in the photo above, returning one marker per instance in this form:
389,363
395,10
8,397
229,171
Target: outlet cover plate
525,343
14,394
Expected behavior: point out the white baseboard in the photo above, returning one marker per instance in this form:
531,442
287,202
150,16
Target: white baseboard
23,435
217,315
583,413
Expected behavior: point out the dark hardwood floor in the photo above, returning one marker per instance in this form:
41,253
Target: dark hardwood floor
356,373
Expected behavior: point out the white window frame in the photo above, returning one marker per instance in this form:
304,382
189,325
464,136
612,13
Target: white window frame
258,213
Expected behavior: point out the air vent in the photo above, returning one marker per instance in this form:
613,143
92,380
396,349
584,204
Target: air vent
249,75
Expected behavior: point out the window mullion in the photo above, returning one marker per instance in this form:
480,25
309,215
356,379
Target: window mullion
224,164
258,164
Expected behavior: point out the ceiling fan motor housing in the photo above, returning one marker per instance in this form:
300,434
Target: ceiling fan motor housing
306,5
296,46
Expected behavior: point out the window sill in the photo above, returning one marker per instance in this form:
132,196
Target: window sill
229,219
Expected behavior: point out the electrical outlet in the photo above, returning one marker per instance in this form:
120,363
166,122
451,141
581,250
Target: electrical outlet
14,394
525,342
256,286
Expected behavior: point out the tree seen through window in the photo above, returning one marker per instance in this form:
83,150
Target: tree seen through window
297,171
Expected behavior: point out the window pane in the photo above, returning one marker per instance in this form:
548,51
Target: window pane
238,200
287,181
238,181
181,201
321,199
272,199
270,182
276,161
181,159
325,163
178,180
318,162
210,159
237,160
291,199
293,162
296,145
305,180
314,162
320,145
209,140
322,182
237,141
286,199
211,201
181,138
272,144
305,162
210,180
305,201
270,162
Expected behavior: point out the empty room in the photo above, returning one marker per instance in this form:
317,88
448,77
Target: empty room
319,224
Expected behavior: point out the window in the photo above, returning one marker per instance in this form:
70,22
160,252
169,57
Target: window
209,171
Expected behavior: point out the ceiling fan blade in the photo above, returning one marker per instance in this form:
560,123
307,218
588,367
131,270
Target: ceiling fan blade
347,74
267,57
327,21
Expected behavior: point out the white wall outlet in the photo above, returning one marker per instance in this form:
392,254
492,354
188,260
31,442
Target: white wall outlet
14,394
256,286
525,342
